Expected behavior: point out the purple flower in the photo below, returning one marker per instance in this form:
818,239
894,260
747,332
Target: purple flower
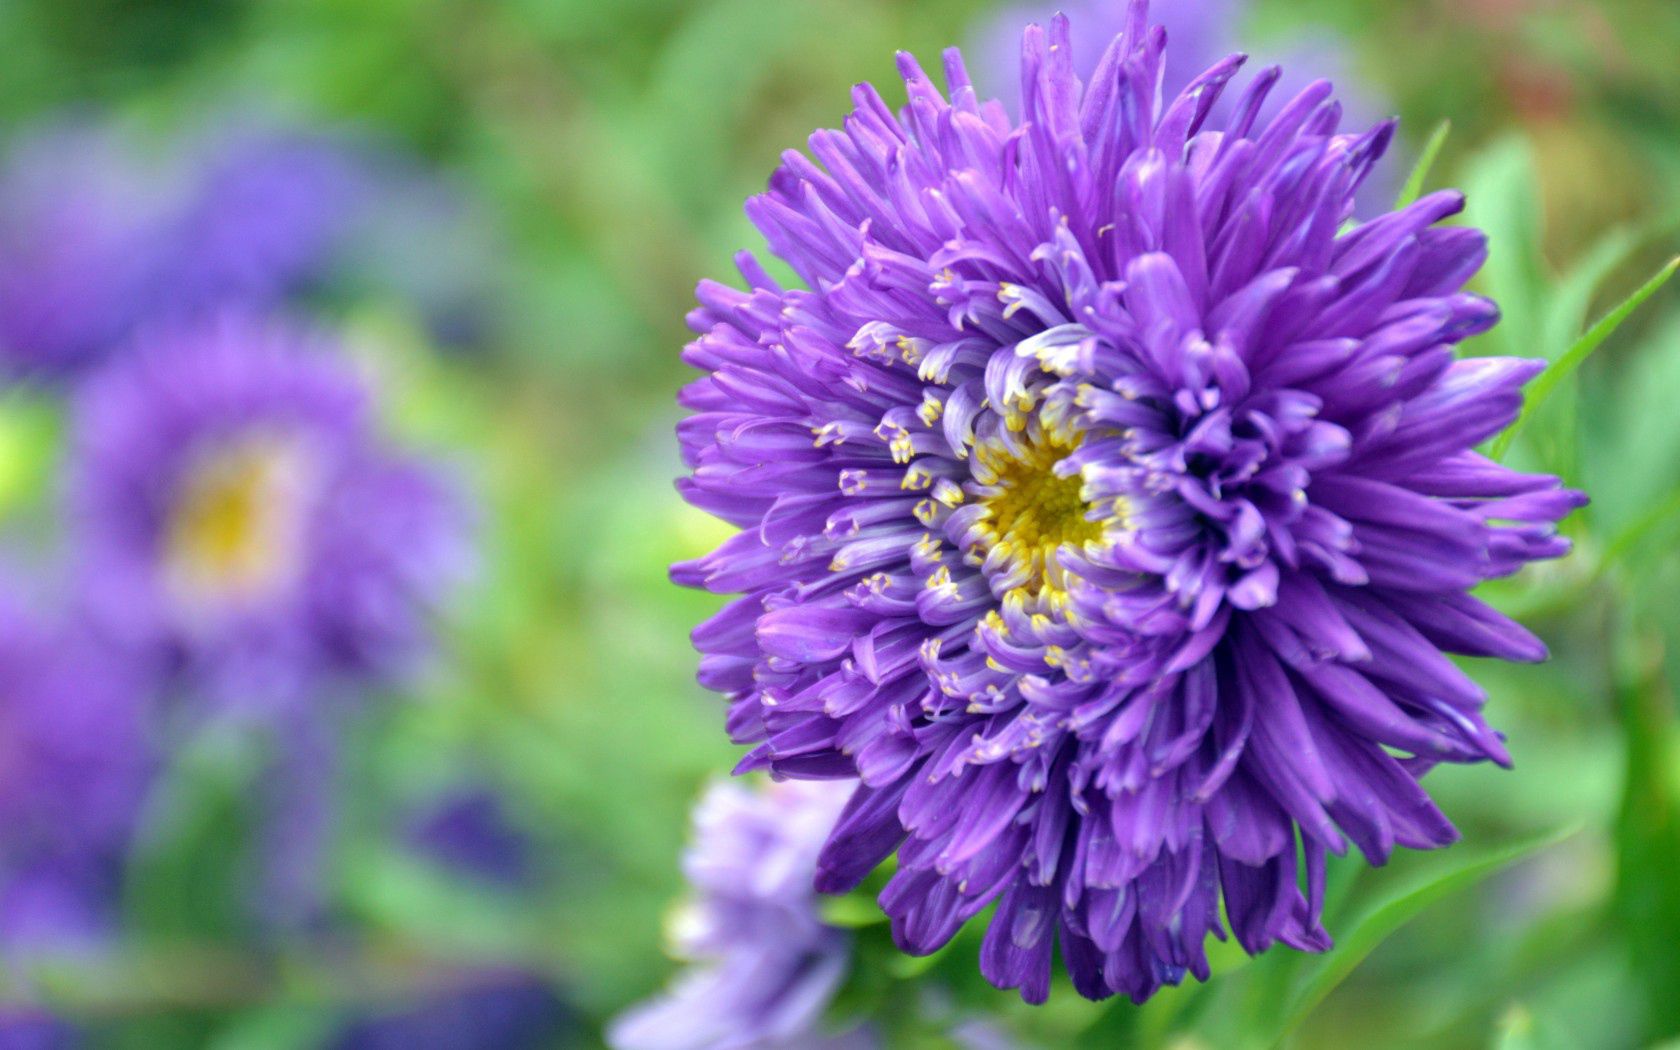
95,242
765,965
79,250
74,765
1107,507
263,213
468,831
238,516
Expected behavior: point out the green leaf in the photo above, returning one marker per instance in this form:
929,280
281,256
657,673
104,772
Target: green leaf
1413,189
1627,443
276,1026
1570,296
1562,317
1385,917
1647,832
1582,349
188,877
1269,976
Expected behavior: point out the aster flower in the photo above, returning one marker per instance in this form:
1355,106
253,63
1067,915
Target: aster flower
78,247
237,514
1108,506
766,966
262,213
97,240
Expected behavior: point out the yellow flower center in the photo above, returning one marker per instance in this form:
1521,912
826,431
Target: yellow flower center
1031,511
234,533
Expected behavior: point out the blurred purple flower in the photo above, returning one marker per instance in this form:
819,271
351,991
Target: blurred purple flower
1199,34
1109,505
237,514
80,246
99,238
468,831
262,214
515,1012
764,965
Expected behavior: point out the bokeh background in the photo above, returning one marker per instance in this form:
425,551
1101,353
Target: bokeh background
514,199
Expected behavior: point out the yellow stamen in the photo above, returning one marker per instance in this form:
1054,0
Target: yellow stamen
1031,511
236,525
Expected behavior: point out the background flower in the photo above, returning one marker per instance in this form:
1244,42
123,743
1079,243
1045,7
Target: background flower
79,249
242,534
765,965
263,211
107,231
468,830
238,513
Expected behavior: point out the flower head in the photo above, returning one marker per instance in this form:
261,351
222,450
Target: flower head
261,214
1108,504
766,964
97,240
239,515
79,249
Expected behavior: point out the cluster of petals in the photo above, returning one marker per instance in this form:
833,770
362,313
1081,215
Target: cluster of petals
764,967
1109,505
242,525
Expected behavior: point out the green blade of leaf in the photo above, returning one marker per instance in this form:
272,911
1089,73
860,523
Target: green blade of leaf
1413,189
1580,350
1271,975
1571,295
1384,918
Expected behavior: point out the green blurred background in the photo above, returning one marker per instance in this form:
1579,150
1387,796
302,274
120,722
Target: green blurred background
607,147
